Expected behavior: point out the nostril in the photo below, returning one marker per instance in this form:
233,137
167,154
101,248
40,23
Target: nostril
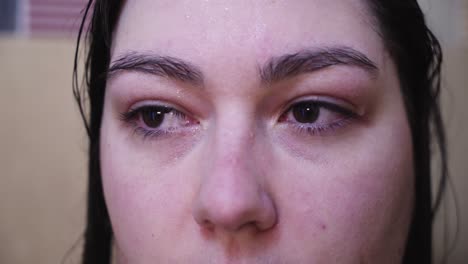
230,198
233,218
251,225
206,224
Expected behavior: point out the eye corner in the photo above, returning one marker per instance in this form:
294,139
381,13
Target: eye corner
128,115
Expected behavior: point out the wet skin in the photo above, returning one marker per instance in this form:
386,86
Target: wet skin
254,132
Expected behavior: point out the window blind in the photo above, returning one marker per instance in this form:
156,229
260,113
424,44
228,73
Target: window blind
62,17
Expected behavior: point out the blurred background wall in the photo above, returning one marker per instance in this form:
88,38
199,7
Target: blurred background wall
43,146
449,20
42,142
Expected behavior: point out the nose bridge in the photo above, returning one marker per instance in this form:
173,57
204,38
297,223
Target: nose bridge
233,146
231,194
233,141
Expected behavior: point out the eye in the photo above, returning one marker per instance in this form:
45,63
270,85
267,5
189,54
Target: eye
306,112
157,120
153,117
314,116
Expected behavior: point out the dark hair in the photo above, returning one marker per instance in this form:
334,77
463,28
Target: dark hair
415,51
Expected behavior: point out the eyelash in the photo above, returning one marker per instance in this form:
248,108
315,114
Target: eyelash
322,129
133,117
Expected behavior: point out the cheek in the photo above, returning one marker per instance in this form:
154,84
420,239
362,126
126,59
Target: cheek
358,190
145,191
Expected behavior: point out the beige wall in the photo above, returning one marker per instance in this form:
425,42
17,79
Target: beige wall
42,177
42,147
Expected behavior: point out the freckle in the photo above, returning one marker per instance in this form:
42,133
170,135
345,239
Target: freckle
323,226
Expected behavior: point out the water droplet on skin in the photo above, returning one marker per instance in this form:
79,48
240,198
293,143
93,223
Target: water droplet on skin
178,94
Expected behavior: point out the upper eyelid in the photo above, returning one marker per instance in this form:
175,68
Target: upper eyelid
325,102
335,108
148,103
139,106
134,111
322,99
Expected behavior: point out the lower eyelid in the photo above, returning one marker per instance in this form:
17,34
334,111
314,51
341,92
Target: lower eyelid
152,133
155,133
321,129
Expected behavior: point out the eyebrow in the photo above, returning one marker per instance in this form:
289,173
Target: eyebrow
163,66
307,61
275,70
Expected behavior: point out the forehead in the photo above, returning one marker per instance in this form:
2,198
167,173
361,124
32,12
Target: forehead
216,29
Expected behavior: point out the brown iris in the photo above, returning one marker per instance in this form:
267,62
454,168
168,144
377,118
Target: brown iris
306,112
154,116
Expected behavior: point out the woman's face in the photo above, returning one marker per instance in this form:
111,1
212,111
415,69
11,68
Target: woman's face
254,132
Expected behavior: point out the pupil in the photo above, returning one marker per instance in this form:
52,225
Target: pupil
306,112
153,117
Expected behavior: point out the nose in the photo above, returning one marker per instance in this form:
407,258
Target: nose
233,195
